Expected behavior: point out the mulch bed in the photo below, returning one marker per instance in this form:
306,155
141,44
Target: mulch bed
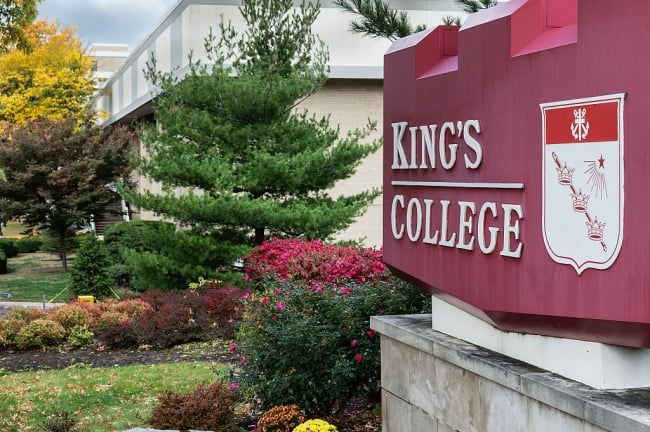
95,356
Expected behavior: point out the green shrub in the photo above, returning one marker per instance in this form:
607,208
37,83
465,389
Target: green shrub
25,315
79,336
90,275
3,263
8,332
28,244
9,247
311,346
72,315
158,257
137,235
206,408
281,418
40,333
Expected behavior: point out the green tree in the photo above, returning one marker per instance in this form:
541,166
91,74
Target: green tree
230,135
15,15
90,274
378,19
58,173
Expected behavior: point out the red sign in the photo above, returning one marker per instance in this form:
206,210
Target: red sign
514,167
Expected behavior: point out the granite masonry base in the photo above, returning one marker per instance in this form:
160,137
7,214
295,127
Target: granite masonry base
432,382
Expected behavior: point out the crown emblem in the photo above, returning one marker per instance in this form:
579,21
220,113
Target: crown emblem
580,201
595,229
564,174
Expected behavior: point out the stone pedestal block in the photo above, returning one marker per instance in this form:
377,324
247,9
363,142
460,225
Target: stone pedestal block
432,382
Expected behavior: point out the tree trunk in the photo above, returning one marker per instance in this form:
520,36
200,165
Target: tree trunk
259,235
64,253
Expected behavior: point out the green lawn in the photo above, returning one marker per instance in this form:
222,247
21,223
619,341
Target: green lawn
13,229
32,276
101,399
32,287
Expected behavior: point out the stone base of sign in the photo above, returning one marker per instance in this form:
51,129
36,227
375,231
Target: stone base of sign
433,382
598,365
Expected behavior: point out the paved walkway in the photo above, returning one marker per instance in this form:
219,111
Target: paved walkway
6,306
10,304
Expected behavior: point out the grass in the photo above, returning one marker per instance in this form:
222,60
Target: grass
34,275
13,229
102,399
32,287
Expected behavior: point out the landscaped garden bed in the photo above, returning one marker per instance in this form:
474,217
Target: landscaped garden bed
294,333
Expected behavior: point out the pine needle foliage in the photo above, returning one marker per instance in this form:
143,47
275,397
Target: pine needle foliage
231,134
472,6
378,19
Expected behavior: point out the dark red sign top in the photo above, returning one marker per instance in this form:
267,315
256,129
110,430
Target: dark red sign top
514,167
603,122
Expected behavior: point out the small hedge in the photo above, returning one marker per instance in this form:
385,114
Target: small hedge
3,262
28,244
9,247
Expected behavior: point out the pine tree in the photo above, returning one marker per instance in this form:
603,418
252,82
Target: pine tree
378,19
231,135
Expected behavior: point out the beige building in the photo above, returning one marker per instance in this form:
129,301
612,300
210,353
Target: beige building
107,58
352,95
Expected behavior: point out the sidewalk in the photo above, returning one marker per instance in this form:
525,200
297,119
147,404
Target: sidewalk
6,306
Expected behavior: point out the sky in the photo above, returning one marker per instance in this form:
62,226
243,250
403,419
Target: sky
108,21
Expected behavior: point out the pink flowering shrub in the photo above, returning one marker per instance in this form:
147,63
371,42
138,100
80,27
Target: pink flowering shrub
315,262
310,345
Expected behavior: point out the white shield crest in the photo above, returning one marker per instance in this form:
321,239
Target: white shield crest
582,181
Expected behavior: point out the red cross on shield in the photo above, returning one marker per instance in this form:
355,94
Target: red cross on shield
582,181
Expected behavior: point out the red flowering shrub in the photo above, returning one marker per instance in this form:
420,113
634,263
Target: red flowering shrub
315,262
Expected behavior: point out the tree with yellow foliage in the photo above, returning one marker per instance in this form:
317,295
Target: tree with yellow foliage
53,79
